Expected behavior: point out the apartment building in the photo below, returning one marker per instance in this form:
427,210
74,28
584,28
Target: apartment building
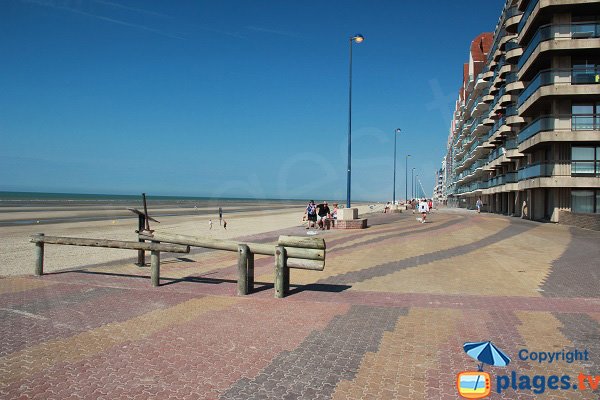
525,135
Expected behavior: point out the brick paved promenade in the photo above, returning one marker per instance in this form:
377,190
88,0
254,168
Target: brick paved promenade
386,319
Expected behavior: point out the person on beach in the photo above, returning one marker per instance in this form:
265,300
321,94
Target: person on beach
423,209
387,207
478,204
224,224
210,224
323,212
311,214
220,215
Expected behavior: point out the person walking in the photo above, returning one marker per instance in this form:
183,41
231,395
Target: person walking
224,224
210,224
311,214
423,209
220,215
478,204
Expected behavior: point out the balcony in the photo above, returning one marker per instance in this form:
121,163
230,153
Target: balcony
584,30
565,81
513,51
559,128
509,177
512,19
526,14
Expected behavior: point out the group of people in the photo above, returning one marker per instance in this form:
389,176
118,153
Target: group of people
222,221
317,215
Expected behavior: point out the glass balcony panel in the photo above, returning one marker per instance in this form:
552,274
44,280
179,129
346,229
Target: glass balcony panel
587,168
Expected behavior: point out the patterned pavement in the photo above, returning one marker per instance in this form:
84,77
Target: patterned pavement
386,319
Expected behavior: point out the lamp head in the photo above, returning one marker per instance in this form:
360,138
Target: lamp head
358,38
398,130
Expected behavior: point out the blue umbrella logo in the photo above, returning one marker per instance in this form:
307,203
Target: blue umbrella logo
486,353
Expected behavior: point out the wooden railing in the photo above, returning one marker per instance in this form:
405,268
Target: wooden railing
289,252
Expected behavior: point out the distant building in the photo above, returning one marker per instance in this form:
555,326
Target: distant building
526,127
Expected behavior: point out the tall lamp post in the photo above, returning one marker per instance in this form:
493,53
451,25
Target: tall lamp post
412,183
396,132
416,191
406,179
358,38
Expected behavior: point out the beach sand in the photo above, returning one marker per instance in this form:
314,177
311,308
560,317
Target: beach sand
17,253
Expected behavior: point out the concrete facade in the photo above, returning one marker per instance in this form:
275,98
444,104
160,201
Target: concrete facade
526,127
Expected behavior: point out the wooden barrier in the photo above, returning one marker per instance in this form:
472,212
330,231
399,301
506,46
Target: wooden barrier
290,252
155,248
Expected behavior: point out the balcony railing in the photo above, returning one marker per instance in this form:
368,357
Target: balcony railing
567,31
509,177
526,14
545,123
577,168
573,76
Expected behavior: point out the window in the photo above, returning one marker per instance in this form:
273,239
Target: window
585,201
584,73
585,161
585,116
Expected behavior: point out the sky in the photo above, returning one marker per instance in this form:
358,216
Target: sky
244,98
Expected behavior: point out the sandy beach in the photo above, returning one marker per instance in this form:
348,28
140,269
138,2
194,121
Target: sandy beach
106,222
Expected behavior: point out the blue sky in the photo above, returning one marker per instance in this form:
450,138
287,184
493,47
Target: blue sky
229,98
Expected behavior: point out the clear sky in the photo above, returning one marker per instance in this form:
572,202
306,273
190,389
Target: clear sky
244,98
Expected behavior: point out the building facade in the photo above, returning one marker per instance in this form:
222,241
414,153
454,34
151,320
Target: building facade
525,135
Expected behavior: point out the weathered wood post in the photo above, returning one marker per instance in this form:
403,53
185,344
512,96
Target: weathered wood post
39,255
141,261
250,269
155,267
280,274
242,283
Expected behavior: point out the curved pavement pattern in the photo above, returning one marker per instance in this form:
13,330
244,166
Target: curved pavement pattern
386,319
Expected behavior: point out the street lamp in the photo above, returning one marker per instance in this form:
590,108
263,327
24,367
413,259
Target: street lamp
406,179
412,183
416,191
358,38
396,132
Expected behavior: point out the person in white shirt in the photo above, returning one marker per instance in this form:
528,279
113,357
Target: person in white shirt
423,209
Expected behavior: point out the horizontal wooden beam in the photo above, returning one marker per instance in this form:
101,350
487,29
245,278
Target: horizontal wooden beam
229,245
303,242
113,244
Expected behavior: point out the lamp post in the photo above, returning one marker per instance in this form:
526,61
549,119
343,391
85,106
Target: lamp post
406,179
412,183
396,132
416,179
358,38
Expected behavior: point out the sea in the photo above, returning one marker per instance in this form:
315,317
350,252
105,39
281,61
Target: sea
97,207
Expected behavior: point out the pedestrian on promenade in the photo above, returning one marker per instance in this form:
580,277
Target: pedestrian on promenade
478,204
323,213
311,214
524,209
423,209
210,224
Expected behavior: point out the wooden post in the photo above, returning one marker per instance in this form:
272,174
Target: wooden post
155,267
280,267
250,269
242,283
141,261
39,256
